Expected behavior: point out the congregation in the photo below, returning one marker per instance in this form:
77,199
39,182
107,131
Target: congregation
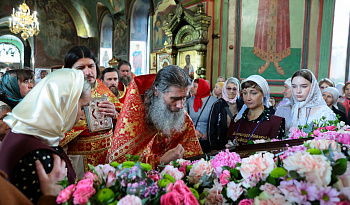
161,117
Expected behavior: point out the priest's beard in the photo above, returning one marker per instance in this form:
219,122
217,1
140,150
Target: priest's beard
114,91
125,80
160,115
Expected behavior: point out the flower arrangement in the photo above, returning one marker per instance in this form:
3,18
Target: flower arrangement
317,172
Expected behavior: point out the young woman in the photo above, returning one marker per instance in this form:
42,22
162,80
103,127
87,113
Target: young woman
308,104
330,96
284,108
38,124
222,112
199,109
254,120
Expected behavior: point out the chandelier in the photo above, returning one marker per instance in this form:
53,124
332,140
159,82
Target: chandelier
23,21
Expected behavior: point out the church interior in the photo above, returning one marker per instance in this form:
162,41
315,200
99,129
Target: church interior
211,38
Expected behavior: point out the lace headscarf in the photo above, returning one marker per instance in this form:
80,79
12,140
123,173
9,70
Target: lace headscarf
50,108
266,93
335,94
224,92
314,99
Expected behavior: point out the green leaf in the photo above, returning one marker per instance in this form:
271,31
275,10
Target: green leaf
253,192
334,180
294,175
340,166
271,180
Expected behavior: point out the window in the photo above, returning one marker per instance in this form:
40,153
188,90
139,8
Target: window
106,41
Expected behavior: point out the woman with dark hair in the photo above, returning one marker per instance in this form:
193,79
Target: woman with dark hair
222,113
38,123
15,85
308,103
198,108
254,120
86,147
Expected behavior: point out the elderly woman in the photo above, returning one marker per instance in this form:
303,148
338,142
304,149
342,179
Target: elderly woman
254,120
325,83
38,123
222,112
331,95
308,104
217,91
284,108
15,85
199,109
4,128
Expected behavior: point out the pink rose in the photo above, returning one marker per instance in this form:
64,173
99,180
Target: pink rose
170,187
198,169
111,179
330,128
65,194
181,188
257,166
83,194
225,177
183,170
172,171
246,202
85,182
190,199
171,198
130,200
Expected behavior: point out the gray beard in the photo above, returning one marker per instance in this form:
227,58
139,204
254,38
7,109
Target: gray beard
163,119
125,80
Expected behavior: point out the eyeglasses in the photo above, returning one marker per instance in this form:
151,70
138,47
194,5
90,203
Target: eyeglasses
233,89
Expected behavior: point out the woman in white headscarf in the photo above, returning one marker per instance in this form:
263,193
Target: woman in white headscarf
330,96
222,113
38,124
308,103
254,120
284,108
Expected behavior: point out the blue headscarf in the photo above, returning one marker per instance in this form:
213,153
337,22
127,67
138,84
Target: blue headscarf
9,87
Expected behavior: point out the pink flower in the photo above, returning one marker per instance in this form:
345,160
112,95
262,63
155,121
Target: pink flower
130,200
225,177
343,203
246,202
276,199
270,189
83,194
305,191
215,197
328,196
183,162
170,187
171,198
316,168
183,170
323,144
85,182
226,158
103,170
111,178
288,188
190,199
65,194
345,191
172,171
155,177
257,166
234,191
198,169
295,133
181,188
89,175
331,128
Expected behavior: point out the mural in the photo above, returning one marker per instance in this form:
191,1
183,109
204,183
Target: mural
139,21
117,5
120,39
160,20
268,47
137,57
57,37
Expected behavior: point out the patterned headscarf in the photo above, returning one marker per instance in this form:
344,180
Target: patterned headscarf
224,92
50,108
9,87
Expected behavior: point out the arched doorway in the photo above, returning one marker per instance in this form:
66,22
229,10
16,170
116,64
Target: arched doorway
106,41
11,52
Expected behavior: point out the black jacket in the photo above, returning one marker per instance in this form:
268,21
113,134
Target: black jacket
342,115
217,125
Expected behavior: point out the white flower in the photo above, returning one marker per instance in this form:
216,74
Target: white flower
234,191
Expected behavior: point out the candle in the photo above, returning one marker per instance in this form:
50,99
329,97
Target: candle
10,21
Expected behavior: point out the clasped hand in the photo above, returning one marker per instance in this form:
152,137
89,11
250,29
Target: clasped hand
107,108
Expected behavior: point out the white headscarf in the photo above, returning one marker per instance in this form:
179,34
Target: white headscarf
289,82
264,87
314,99
50,108
334,92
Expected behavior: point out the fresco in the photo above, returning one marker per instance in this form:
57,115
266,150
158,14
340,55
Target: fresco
117,5
57,37
138,57
120,38
268,48
138,22
159,20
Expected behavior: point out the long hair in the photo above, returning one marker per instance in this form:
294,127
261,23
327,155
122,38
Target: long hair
169,76
77,52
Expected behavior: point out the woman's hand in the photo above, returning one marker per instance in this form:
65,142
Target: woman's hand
48,182
199,134
173,154
107,108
